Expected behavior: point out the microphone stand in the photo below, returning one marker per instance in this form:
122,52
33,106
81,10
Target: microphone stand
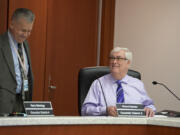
168,113
154,83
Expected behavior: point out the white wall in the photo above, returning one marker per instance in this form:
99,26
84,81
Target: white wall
151,30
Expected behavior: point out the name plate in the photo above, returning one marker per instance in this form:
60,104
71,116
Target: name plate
38,108
130,113
129,106
130,110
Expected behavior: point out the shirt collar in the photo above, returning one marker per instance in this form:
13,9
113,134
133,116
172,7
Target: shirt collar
123,80
11,38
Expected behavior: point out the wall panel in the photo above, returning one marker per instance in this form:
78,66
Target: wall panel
150,29
63,40
3,15
107,32
71,45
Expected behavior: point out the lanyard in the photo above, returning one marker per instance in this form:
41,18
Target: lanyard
22,64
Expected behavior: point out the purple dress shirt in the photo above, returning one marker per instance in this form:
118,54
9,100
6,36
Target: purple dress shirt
98,98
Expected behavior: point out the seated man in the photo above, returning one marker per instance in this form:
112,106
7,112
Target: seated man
116,87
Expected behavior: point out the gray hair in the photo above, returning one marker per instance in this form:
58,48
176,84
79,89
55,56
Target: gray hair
23,13
128,54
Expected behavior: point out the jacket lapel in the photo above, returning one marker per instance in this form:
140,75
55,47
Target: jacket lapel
27,51
30,74
6,50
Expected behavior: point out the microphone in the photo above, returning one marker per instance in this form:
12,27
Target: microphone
155,83
103,93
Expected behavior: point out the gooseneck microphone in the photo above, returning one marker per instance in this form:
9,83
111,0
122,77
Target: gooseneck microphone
103,93
154,83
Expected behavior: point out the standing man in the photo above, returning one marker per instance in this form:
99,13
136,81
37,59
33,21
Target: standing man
116,87
16,78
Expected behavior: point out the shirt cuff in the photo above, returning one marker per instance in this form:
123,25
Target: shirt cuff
103,111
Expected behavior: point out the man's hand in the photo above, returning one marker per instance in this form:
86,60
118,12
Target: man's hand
112,111
149,112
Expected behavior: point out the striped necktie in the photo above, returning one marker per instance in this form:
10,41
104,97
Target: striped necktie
120,92
20,51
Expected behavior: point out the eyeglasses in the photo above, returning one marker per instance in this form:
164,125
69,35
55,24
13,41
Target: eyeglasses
117,58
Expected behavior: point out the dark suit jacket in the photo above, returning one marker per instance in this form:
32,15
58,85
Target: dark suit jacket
8,82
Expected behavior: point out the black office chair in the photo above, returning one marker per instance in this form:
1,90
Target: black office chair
88,75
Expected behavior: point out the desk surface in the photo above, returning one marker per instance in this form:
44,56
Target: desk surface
77,120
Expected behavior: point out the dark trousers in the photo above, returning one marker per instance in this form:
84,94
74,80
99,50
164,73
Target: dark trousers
18,105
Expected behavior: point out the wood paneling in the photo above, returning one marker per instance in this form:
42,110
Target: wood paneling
107,33
75,130
3,15
37,40
90,130
63,40
160,130
71,45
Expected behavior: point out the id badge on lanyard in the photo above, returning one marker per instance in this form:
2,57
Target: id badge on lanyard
25,84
